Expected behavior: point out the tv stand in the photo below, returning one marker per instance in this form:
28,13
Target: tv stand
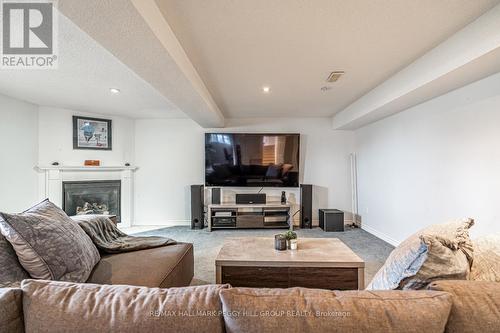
254,216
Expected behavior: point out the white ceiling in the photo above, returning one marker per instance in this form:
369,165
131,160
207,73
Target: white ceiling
82,81
237,46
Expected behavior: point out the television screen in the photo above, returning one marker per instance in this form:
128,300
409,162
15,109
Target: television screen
258,160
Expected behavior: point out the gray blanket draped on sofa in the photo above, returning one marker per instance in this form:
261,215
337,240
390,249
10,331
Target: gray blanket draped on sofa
109,239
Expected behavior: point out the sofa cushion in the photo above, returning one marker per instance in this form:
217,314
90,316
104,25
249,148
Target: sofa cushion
49,244
166,266
476,305
486,265
11,310
11,272
51,306
315,310
442,251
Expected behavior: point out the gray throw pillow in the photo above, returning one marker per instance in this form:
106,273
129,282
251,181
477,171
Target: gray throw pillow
11,271
50,245
441,251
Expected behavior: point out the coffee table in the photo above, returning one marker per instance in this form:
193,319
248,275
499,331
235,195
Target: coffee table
325,263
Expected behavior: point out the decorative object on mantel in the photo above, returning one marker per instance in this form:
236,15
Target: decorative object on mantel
55,163
92,163
127,164
92,133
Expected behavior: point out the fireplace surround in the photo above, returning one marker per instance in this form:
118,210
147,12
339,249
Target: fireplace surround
51,179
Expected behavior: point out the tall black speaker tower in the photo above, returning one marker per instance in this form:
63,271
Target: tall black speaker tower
306,206
197,207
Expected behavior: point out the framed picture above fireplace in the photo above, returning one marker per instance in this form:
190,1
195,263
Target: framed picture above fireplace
92,133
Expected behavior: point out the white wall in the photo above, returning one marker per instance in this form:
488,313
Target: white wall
19,153
56,139
432,163
170,155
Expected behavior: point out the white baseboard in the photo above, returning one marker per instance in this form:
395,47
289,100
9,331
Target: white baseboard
380,235
171,223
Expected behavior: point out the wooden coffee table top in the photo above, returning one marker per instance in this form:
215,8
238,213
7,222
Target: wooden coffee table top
311,252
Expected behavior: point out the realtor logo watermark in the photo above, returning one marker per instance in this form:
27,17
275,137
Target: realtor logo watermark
29,34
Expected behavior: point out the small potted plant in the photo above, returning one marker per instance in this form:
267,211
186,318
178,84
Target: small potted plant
291,239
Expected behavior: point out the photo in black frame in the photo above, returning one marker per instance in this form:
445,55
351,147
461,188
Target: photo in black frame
92,133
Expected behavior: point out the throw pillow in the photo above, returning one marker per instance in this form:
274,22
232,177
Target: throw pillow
442,251
486,265
49,244
11,272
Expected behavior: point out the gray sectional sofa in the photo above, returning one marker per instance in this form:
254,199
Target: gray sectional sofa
164,267
49,306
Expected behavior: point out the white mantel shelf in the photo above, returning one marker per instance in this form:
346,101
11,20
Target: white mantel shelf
85,168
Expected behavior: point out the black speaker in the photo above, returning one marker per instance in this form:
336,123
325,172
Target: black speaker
306,206
215,196
250,198
197,207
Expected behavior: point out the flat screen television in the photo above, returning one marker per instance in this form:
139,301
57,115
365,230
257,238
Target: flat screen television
252,160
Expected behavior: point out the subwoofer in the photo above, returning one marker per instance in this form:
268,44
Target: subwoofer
306,206
197,207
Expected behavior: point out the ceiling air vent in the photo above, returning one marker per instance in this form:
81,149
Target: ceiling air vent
334,76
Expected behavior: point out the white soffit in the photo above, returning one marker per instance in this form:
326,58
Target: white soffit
123,31
467,56
83,79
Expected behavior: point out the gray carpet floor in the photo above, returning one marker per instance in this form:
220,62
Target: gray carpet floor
371,249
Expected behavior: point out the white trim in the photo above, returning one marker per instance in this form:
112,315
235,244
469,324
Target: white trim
85,168
380,235
162,224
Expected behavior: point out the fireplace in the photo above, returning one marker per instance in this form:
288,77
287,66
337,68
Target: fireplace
101,197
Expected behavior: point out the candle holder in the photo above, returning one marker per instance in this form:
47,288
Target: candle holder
280,242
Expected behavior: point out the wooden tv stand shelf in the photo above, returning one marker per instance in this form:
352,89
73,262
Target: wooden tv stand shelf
254,216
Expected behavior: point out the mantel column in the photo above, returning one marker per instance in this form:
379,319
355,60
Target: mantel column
127,198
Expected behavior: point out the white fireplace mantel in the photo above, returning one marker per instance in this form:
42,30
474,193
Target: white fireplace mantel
85,168
52,177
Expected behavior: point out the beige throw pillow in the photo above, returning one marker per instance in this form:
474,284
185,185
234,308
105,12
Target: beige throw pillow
442,251
486,265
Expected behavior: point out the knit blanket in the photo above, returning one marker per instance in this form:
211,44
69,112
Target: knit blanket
109,239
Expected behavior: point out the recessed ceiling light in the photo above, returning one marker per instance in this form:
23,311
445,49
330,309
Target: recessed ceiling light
266,89
325,88
114,90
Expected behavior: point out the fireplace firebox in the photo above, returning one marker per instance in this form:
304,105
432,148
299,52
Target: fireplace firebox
101,197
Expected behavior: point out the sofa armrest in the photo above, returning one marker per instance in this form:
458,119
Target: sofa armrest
476,305
11,310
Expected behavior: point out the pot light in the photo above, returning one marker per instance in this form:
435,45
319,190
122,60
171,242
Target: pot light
114,90
266,89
